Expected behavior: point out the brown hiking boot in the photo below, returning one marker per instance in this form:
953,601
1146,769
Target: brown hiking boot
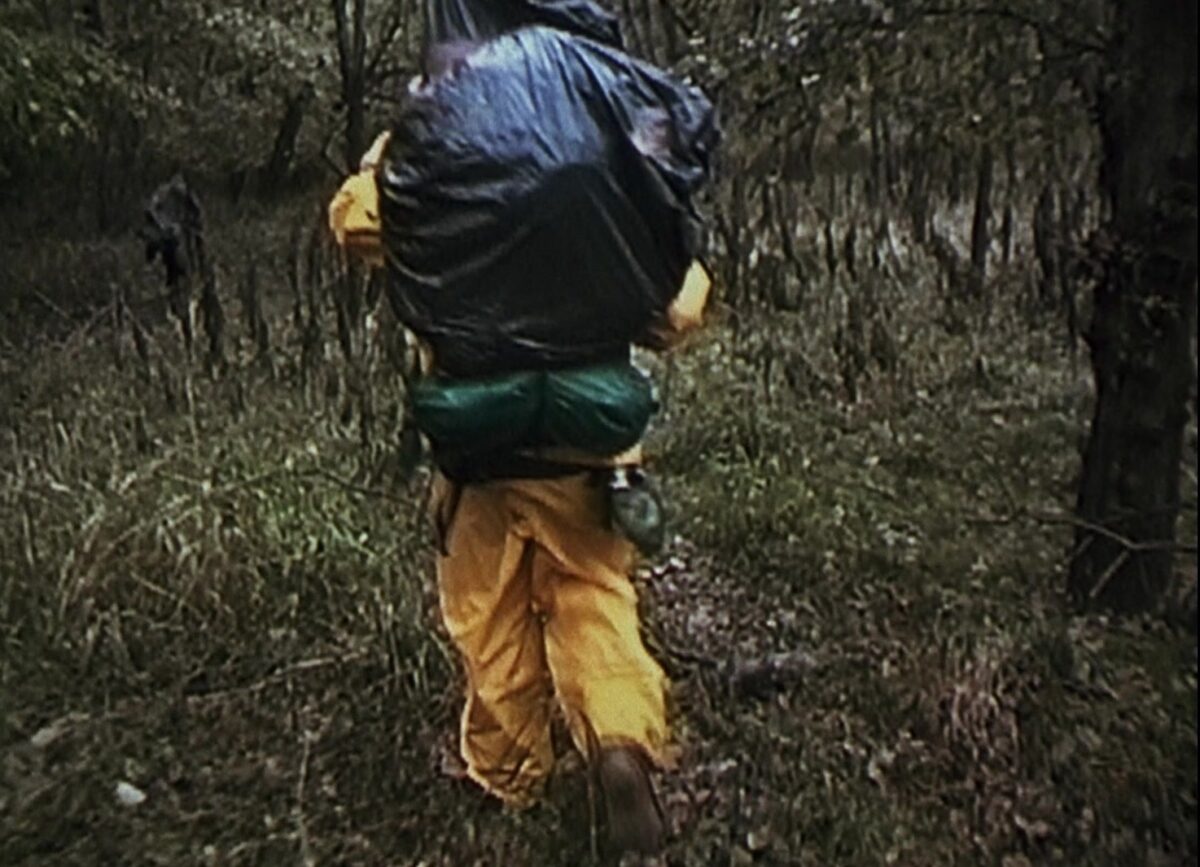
634,817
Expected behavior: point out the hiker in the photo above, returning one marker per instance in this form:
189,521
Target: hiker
535,592
539,499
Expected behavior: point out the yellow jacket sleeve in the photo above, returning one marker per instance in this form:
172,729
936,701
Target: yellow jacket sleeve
354,218
354,210
686,312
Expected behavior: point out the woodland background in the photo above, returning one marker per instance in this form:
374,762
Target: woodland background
930,597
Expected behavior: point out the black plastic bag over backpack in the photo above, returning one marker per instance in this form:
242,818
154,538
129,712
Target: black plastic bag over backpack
536,202
479,20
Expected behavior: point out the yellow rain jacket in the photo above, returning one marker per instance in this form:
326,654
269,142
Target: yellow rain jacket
534,586
354,211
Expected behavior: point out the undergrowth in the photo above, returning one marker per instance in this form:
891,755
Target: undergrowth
217,590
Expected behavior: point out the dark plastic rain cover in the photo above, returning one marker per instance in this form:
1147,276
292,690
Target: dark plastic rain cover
536,203
480,20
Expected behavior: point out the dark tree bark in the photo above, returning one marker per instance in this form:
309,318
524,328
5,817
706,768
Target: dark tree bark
735,239
980,235
1045,244
641,28
918,190
1010,194
662,25
831,259
95,17
850,251
783,217
211,311
257,328
352,59
954,179
891,173
1006,235
633,38
875,178
801,143
1070,222
1144,312
276,170
671,27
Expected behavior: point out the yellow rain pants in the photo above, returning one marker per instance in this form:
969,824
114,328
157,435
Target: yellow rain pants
535,593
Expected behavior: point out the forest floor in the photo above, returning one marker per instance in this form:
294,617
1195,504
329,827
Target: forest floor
219,642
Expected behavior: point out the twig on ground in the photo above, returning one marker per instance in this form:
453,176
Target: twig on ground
279,676
306,855
1130,546
1112,570
686,656
51,306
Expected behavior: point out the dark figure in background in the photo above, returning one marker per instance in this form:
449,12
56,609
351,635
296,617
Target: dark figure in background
173,231
173,223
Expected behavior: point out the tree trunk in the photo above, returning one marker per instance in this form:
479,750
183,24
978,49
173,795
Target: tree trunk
1070,223
103,177
1045,245
850,250
633,38
671,22
641,27
352,58
1010,195
954,179
980,237
891,173
95,17
738,222
654,45
918,197
276,170
730,223
1144,312
662,27
800,149
876,169
784,217
831,259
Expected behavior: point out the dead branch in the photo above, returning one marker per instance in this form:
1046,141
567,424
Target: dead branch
1129,545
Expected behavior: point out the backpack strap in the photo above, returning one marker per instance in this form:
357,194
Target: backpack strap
477,468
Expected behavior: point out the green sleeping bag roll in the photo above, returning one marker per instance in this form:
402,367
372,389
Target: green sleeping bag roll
601,409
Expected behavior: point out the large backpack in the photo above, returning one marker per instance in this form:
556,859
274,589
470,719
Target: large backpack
536,203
